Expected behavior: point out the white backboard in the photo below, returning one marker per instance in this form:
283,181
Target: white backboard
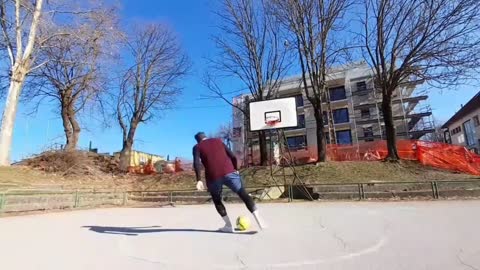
284,109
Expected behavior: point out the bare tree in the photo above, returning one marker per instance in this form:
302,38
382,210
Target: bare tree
151,84
314,25
76,66
19,21
406,41
251,50
438,134
225,132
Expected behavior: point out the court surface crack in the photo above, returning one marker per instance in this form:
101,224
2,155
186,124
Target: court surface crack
342,241
464,263
240,260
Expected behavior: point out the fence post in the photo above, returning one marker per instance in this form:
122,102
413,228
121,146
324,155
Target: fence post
361,191
437,195
170,197
75,205
2,201
125,198
290,191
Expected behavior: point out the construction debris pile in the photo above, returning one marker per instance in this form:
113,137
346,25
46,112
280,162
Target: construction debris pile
68,163
162,166
73,163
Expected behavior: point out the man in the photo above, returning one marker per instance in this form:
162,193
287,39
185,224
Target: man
221,169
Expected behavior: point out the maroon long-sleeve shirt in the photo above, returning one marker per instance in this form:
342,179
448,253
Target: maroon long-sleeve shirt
216,158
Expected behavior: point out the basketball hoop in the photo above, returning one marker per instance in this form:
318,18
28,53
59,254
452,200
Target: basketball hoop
273,114
272,121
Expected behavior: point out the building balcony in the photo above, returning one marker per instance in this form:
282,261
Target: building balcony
411,101
374,120
413,134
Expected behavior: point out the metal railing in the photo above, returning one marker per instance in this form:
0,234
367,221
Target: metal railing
26,201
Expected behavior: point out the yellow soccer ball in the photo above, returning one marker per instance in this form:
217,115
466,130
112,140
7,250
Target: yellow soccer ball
243,223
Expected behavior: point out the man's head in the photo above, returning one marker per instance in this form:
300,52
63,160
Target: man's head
200,136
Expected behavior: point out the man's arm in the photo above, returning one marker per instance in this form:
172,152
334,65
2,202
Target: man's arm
232,157
196,163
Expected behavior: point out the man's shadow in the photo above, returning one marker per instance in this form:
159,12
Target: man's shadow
135,231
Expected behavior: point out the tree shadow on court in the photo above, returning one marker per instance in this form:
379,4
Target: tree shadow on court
135,231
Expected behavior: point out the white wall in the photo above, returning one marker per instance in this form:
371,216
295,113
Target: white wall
459,138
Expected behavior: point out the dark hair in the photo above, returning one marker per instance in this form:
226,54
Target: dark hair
199,136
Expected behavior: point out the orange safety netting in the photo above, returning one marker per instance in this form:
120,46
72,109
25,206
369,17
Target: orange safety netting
438,155
448,156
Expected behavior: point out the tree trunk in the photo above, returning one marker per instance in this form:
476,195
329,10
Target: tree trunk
125,154
389,128
9,115
321,142
75,126
331,124
68,130
262,142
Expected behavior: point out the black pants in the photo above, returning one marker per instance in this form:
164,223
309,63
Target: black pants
234,182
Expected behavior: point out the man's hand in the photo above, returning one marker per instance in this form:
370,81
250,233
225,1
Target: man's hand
200,186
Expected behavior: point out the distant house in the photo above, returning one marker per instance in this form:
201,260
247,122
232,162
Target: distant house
463,128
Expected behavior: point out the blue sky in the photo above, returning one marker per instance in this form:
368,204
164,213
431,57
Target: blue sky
173,134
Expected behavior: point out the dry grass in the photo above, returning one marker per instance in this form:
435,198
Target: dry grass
22,175
88,172
354,172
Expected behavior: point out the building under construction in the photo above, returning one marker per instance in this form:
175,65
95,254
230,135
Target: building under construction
352,113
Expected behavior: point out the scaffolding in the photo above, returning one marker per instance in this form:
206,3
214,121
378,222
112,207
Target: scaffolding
412,116
416,120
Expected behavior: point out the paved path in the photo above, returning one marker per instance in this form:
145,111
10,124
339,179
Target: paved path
360,235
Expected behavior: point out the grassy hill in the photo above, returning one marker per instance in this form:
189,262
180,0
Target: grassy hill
89,172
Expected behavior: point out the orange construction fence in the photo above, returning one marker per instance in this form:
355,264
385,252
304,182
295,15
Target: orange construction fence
438,155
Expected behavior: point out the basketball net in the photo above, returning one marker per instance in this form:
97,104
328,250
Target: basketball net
272,123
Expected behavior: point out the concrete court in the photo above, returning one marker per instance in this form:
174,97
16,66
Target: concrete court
334,235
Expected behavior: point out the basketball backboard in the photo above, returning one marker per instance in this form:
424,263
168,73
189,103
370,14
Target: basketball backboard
273,114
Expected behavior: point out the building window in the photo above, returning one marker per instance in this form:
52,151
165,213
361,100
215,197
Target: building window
447,137
325,118
341,116
456,130
368,134
476,121
361,86
299,100
365,113
337,93
300,122
297,142
469,133
344,137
